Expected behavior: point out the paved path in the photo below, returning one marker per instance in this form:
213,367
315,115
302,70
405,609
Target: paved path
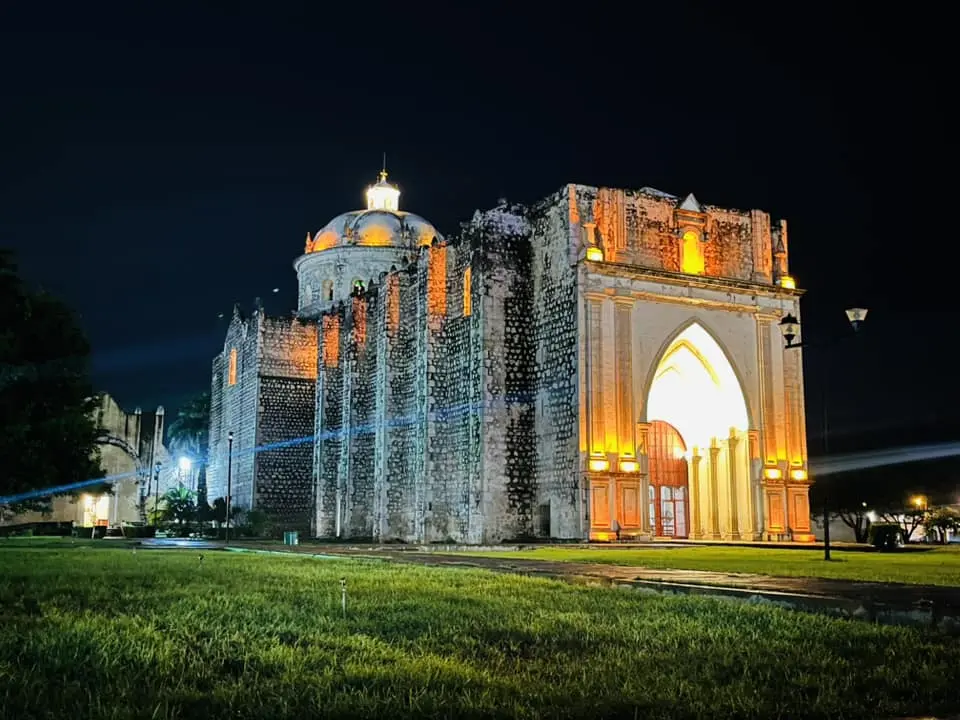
868,599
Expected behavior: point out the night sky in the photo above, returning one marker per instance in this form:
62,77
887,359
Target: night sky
162,161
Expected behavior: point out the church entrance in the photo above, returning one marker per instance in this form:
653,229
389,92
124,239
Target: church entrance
667,494
699,471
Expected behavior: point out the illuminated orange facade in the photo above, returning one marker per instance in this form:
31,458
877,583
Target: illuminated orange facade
689,400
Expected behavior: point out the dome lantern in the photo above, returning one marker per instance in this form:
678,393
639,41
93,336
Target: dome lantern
383,195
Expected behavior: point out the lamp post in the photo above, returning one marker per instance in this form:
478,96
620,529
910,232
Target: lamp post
156,491
226,535
790,327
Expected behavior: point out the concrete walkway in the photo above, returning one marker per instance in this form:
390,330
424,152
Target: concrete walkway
883,602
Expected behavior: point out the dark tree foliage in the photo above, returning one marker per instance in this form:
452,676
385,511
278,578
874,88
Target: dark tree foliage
188,432
188,435
47,425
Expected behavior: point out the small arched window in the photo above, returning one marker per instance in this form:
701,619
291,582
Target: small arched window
327,294
691,253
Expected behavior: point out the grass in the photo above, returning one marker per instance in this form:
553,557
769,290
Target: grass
940,566
106,633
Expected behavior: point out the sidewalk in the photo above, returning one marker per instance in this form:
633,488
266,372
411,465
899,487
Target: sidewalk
892,603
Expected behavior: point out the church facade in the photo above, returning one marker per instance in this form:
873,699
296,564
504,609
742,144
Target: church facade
604,361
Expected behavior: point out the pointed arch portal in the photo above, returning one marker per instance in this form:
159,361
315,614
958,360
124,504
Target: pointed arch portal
698,479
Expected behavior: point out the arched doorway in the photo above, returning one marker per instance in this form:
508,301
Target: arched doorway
697,448
667,493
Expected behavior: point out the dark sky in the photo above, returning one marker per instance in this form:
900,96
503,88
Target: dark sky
161,161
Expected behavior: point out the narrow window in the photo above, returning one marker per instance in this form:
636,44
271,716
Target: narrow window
467,304
691,254
328,290
232,374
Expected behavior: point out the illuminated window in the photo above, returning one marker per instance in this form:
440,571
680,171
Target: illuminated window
357,285
691,254
232,373
327,290
467,305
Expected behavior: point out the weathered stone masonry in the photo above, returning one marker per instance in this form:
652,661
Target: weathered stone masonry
487,386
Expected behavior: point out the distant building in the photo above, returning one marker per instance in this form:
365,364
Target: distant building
602,355
130,444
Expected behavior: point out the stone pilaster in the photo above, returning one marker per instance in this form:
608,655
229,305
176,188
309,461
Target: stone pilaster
609,376
643,433
595,377
696,531
733,504
714,532
624,356
343,467
755,495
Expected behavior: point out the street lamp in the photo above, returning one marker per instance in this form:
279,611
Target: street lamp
226,535
156,490
790,327
921,502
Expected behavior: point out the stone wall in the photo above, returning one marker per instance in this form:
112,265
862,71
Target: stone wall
286,399
236,400
555,335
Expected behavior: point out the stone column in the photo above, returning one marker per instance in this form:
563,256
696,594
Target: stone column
733,506
643,431
755,495
695,530
714,533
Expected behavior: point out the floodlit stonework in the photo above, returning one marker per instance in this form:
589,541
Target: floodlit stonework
603,360
130,446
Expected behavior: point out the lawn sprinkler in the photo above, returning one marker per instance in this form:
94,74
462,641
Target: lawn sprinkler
343,597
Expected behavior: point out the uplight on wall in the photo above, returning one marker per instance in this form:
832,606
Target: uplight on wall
798,474
772,473
594,254
788,282
629,466
598,465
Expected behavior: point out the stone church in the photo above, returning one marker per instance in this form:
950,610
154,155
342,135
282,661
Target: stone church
604,360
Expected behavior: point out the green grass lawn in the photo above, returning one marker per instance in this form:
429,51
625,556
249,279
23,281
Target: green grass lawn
940,566
103,632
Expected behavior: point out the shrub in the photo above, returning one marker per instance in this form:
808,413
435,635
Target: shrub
885,536
139,530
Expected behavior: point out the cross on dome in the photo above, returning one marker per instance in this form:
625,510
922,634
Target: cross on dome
383,195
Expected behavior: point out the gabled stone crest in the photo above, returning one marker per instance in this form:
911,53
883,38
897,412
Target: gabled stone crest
691,204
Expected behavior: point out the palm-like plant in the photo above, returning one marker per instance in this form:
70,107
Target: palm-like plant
189,434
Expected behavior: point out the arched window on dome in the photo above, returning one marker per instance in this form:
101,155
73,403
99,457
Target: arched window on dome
356,285
327,292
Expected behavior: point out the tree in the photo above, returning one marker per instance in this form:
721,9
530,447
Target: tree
48,430
908,518
189,434
942,520
179,505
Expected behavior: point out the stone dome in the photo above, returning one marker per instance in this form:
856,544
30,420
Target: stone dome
382,224
374,228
